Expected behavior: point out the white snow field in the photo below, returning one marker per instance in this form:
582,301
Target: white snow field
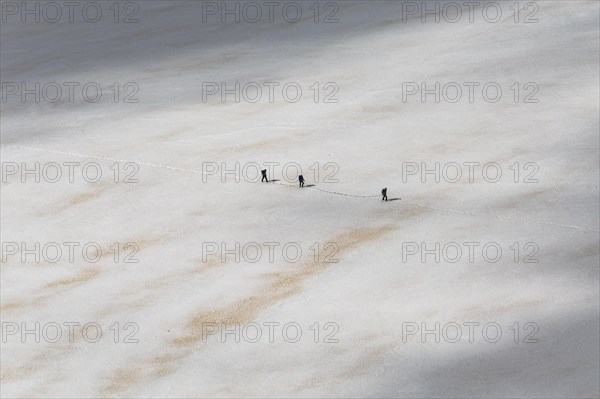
390,323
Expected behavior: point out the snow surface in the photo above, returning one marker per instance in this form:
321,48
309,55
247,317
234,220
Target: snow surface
370,292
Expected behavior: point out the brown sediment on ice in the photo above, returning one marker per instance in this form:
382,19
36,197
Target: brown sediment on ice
50,354
18,373
16,305
84,275
129,300
126,248
121,379
130,248
281,286
52,289
369,357
81,277
81,198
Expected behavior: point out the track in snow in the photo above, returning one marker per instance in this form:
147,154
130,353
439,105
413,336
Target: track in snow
238,178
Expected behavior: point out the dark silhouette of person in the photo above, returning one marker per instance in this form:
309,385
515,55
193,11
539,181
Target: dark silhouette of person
301,180
264,175
384,194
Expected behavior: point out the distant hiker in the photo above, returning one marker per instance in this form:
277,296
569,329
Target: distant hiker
384,194
301,180
264,175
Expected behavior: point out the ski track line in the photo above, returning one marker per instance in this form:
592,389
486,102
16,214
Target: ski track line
237,178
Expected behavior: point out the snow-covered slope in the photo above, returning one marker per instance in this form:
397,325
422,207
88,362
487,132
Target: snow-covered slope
356,277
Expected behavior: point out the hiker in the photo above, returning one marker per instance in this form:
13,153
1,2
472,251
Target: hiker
264,175
384,194
301,180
